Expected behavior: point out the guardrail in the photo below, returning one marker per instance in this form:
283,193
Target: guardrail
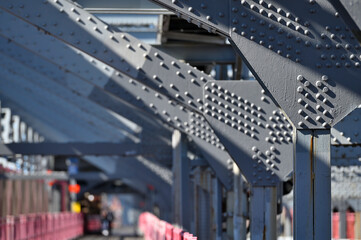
59,226
156,229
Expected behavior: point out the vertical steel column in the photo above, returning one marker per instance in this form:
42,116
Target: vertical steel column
240,206
181,183
230,214
237,217
264,213
202,202
217,207
312,185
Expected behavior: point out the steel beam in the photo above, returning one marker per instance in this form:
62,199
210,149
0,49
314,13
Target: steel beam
117,81
62,92
136,59
353,8
200,53
110,6
263,213
19,87
131,92
202,203
303,39
181,183
240,212
217,195
347,131
312,185
66,101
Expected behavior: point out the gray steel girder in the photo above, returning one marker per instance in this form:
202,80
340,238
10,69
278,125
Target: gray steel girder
353,8
115,83
346,156
116,86
252,129
347,131
78,28
60,122
177,96
302,52
158,149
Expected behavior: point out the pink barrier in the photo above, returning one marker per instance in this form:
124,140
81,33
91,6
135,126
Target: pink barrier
350,225
177,234
156,229
60,226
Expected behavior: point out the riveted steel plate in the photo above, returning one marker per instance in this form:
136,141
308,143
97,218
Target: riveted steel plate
251,128
353,7
302,52
211,148
176,116
138,60
348,130
105,77
345,156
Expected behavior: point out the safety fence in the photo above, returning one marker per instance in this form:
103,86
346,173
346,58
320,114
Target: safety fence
156,229
58,226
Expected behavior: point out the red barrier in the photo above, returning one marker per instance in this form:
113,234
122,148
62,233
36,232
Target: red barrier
335,226
350,225
20,227
60,226
168,232
155,229
177,234
350,221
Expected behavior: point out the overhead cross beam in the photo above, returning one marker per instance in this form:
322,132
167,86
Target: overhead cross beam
129,92
310,39
117,83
